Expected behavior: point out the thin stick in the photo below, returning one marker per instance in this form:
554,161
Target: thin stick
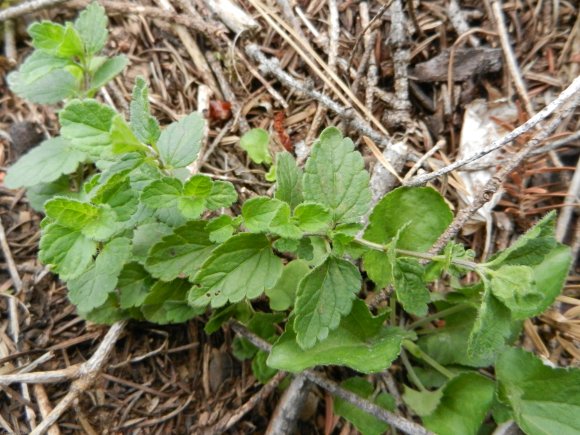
45,407
394,420
285,416
27,8
570,202
510,57
564,97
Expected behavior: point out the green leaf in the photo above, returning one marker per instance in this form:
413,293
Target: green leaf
258,213
143,124
283,293
410,286
364,422
221,228
420,213
195,190
324,296
422,403
40,193
260,369
244,266
166,303
91,289
287,245
544,400
378,268
181,253
282,224
162,193
491,329
50,88
147,235
134,284
312,217
465,403
87,124
288,180
117,194
255,143
44,164
97,222
92,27
179,143
359,342
39,64
55,39
551,274
107,314
515,287
335,176
223,194
108,71
65,251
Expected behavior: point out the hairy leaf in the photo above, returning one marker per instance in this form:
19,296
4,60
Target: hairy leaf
223,194
162,193
92,27
147,235
221,228
288,180
166,303
143,124
134,284
283,225
422,403
324,296
50,88
516,288
258,213
255,143
335,177
108,71
283,293
179,143
410,286
312,217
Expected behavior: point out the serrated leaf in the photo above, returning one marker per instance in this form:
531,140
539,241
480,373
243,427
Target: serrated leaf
364,422
107,313
312,217
422,403
410,286
92,27
516,288
283,293
223,194
181,253
39,64
199,186
147,235
244,266
122,138
287,245
66,251
179,143
166,303
359,342
143,124
134,284
221,228
544,400
55,39
550,275
50,88
87,124
44,164
241,311
108,71
118,195
492,327
420,213
162,193
335,176
463,407
283,225
324,296
255,143
40,193
91,289
258,213
288,180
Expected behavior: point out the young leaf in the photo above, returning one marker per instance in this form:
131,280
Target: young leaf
181,253
223,194
91,289
108,71
515,287
255,143
422,403
91,25
118,195
360,342
134,284
258,213
410,286
179,143
66,251
282,224
335,176
288,180
544,400
147,235
87,124
463,407
195,192
166,303
364,422
221,228
44,164
324,296
312,217
143,124
162,193
55,39
242,267
551,274
420,213
283,293
50,88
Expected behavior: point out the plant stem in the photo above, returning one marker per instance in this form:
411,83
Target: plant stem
418,352
411,372
440,314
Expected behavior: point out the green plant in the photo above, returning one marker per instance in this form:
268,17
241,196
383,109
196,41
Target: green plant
143,238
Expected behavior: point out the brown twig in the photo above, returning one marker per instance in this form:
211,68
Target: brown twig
285,416
27,8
